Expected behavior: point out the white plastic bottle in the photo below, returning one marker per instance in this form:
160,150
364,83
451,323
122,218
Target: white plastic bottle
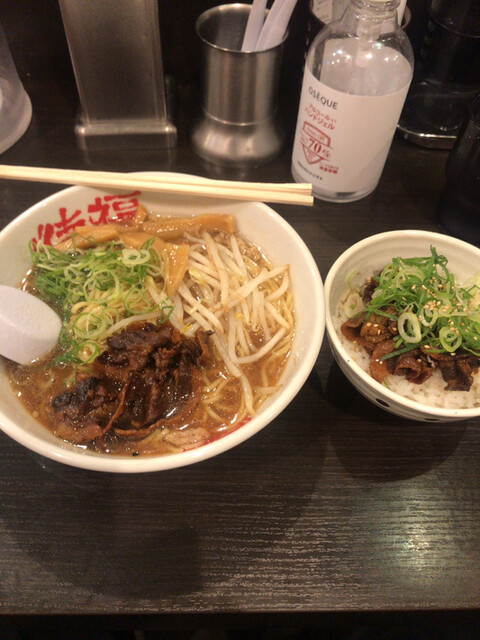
357,74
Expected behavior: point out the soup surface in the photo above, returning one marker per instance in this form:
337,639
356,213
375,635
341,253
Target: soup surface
175,332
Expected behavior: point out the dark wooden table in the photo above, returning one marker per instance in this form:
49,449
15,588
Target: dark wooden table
335,509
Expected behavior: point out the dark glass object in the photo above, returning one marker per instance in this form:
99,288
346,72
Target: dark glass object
447,74
459,205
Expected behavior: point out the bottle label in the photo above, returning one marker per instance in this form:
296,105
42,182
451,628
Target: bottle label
342,140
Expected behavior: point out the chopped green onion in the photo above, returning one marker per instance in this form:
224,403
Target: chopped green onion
409,327
450,339
89,325
399,352
428,316
95,288
132,257
89,351
429,306
351,279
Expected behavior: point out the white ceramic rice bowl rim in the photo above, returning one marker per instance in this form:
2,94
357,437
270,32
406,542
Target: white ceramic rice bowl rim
366,384
73,456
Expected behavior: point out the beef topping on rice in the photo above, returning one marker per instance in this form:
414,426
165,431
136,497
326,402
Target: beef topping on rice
397,326
376,335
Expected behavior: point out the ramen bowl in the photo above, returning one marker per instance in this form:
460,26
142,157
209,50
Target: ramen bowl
366,258
55,216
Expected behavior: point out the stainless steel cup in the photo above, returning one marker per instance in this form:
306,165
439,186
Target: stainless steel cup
238,125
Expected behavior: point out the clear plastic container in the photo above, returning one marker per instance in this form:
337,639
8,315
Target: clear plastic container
446,77
458,208
15,105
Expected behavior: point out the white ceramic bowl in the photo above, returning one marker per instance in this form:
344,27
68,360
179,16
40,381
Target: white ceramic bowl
369,256
256,221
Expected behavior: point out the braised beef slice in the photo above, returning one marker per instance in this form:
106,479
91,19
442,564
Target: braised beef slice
351,327
130,350
379,369
369,331
180,393
83,414
457,369
154,381
414,365
370,286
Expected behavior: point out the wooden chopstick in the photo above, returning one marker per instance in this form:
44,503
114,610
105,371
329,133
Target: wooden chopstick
285,193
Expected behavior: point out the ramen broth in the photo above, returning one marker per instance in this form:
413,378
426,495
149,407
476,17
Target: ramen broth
238,378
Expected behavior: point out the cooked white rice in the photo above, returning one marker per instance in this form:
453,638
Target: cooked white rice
431,392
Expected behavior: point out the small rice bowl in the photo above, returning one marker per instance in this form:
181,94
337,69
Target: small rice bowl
428,402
